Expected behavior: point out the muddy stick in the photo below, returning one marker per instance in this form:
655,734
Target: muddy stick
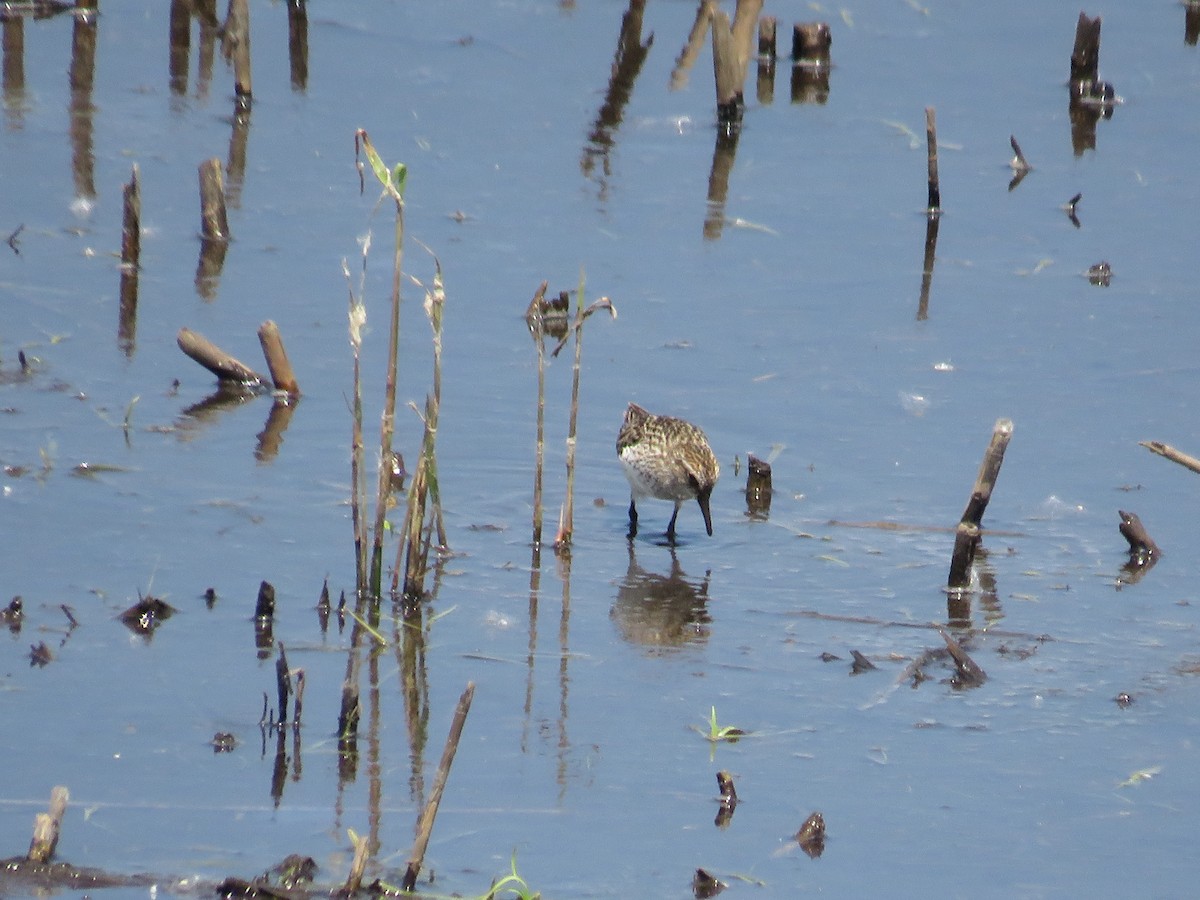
216,360
968,672
282,375
1140,543
425,826
47,826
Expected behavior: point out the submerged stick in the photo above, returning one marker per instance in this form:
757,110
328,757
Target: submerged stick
425,826
216,360
935,191
47,826
282,375
967,671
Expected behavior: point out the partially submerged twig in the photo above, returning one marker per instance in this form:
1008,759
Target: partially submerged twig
1176,456
225,367
967,535
425,825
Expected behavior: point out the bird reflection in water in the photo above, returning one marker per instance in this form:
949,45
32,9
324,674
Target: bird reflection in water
661,611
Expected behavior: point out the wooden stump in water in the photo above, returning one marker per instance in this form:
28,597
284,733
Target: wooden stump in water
282,375
811,42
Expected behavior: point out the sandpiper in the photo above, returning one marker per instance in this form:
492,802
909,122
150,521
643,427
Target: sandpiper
666,458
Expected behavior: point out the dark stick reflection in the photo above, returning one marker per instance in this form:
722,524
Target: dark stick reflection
627,63
13,69
298,44
82,78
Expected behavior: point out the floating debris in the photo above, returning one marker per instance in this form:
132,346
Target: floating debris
1100,274
861,663
811,836
146,615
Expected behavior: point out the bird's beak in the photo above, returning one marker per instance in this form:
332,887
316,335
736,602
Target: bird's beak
702,499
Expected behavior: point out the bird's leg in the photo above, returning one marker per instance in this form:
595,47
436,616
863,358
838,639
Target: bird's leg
632,518
671,524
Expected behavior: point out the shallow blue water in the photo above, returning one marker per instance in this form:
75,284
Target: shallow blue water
797,327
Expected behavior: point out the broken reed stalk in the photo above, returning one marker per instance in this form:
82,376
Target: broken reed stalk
989,471
358,484
47,826
282,375
435,302
393,182
967,534
566,523
426,481
535,316
362,852
425,825
935,191
214,224
216,360
131,229
566,528
410,538
235,45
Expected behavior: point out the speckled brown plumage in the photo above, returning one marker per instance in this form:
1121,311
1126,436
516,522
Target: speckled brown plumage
666,458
